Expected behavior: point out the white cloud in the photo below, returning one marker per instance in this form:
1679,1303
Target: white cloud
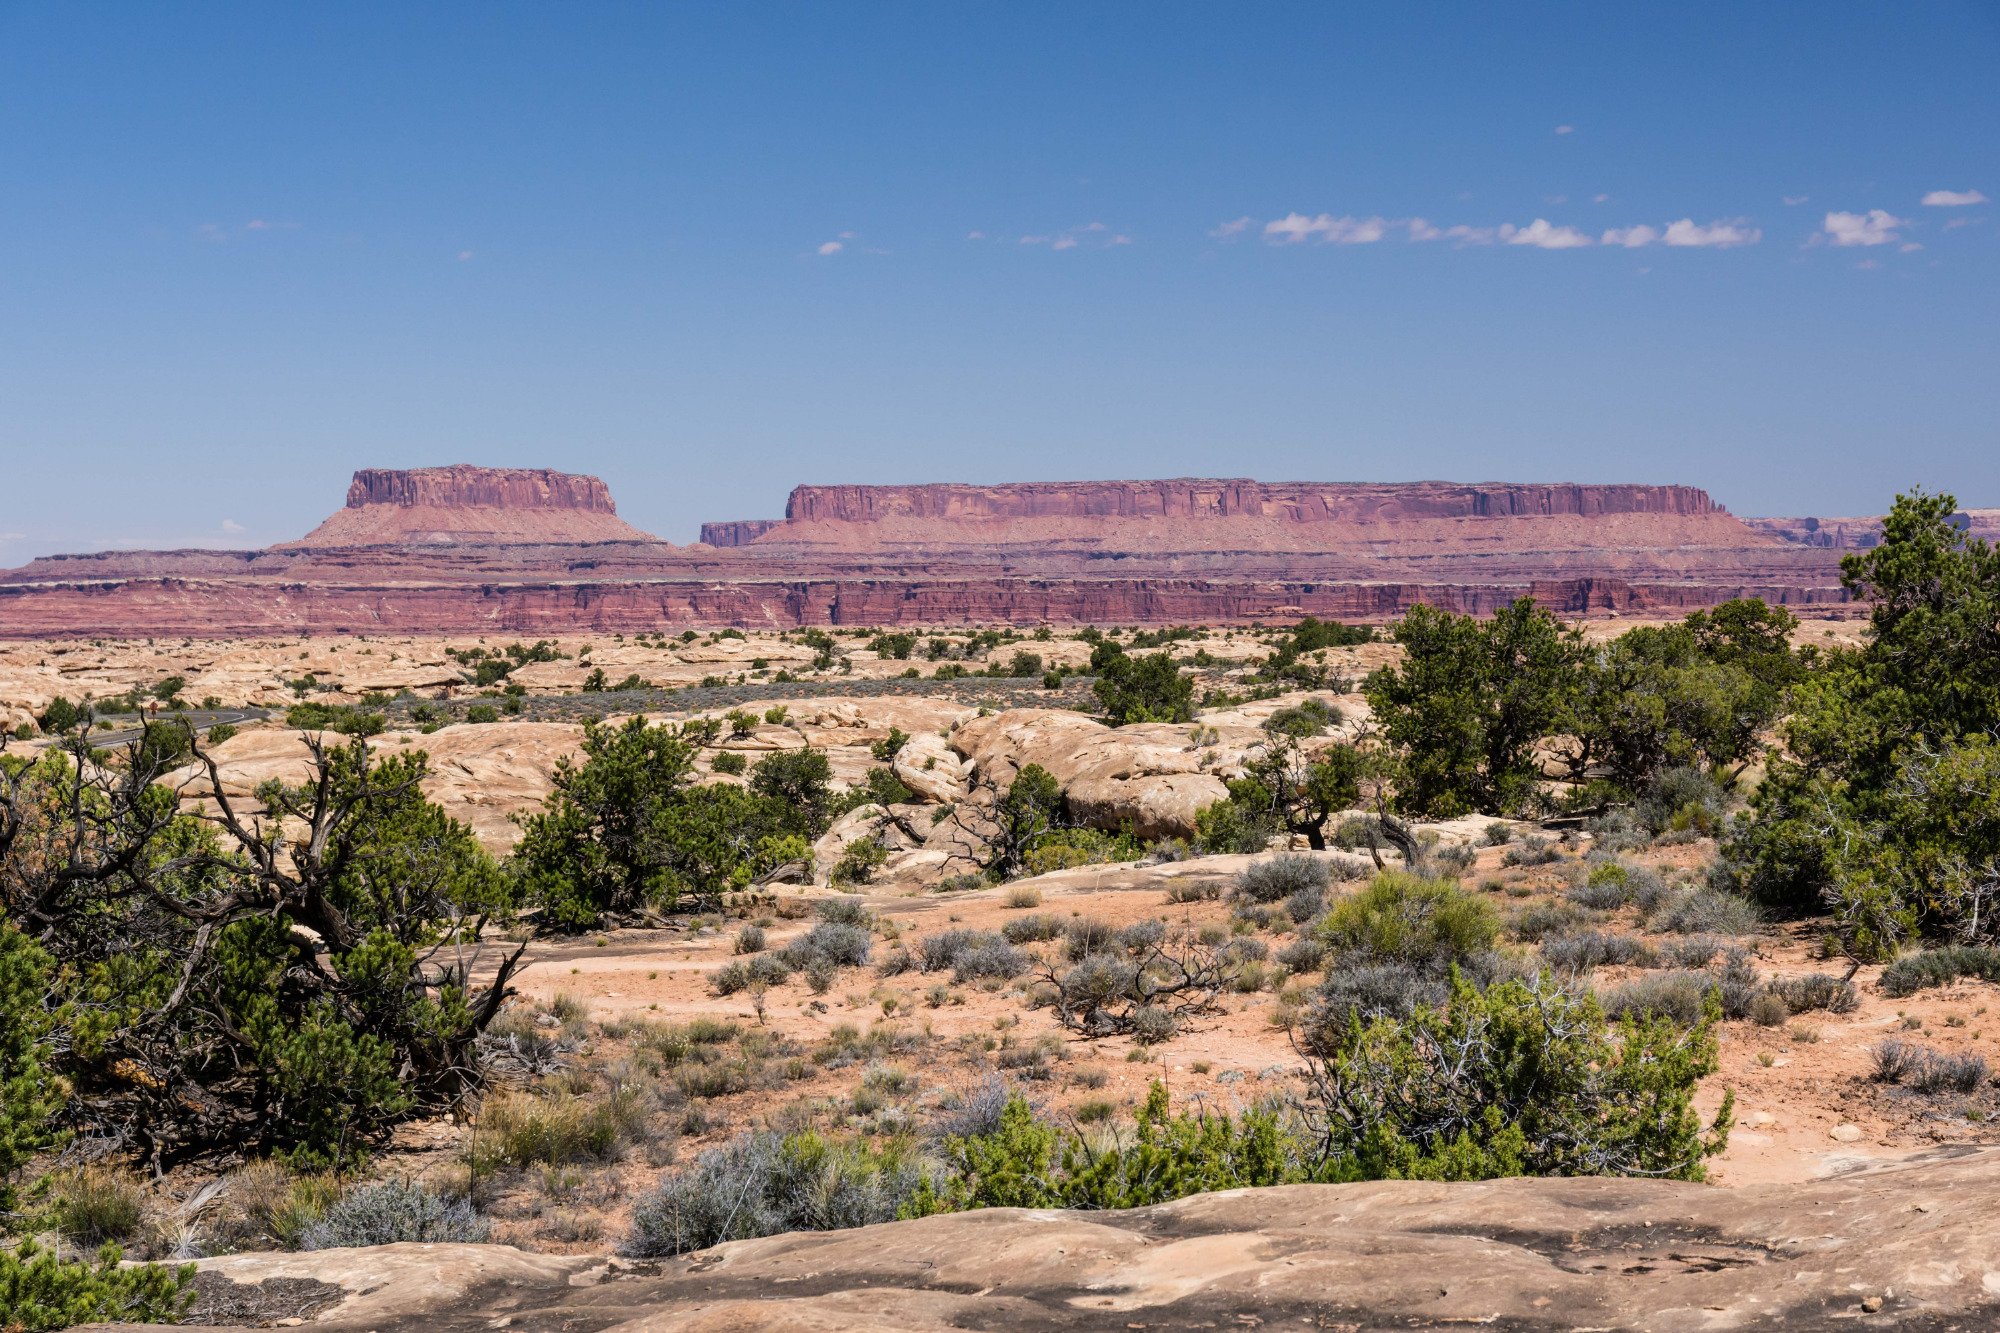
831,248
1296,227
1794,200
975,236
1544,235
1119,238
1421,230
1229,231
1565,129
1875,227
13,536
1716,235
1600,199
1909,247
1063,243
1465,235
464,255
1034,240
1953,224
1953,198
1631,237
231,526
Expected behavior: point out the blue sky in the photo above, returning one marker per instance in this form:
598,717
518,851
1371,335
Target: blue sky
711,251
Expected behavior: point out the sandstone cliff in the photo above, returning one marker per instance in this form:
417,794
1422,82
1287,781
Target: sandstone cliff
1193,498
522,551
463,503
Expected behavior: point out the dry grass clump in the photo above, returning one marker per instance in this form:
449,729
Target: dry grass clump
1023,896
526,1129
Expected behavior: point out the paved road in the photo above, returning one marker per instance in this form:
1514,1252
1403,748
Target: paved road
201,719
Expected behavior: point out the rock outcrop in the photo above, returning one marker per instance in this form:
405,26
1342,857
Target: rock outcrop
515,551
1188,498
1859,534
1910,1245
463,503
736,532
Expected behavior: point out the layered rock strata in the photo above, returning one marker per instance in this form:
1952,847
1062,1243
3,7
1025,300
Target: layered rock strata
518,551
464,503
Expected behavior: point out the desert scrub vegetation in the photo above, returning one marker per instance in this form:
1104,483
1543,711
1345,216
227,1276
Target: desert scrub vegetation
1142,981
391,1211
1926,1070
1940,967
765,1183
1388,949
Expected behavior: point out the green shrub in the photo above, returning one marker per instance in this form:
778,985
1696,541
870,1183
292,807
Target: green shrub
858,864
1428,925
1143,689
1025,1162
728,762
1524,1078
40,1292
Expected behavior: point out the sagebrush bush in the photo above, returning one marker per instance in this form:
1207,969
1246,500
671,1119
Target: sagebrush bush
1678,995
1023,896
1303,954
750,939
845,909
829,944
1305,905
1927,1070
1595,948
1368,991
1617,832
1279,877
1086,935
1533,850
1539,921
1607,887
393,1211
1193,891
1816,991
1707,912
757,970
764,1184
1034,929
1940,967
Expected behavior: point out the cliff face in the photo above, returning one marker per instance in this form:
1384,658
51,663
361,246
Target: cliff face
1187,498
440,505
464,486
1859,534
737,532
521,550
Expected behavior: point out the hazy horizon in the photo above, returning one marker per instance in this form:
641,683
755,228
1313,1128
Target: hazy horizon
708,253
